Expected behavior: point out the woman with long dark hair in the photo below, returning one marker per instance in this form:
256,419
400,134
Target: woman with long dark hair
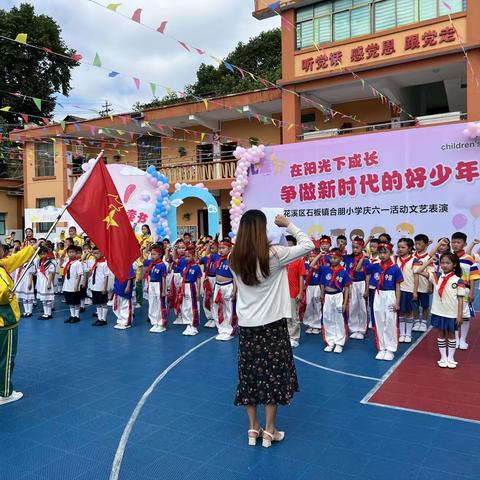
266,369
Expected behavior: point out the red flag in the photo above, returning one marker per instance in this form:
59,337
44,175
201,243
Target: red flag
98,210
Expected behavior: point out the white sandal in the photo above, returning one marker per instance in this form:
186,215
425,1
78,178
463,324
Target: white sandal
274,437
252,440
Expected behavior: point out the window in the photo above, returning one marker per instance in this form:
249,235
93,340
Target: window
335,20
149,151
44,160
308,122
2,223
44,227
205,152
227,149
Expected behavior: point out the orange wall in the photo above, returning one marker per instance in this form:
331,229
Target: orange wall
13,208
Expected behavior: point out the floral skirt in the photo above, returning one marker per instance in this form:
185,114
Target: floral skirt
266,370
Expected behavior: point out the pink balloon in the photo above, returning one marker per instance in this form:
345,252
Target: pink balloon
459,220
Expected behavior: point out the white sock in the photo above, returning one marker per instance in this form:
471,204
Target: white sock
77,311
408,327
45,308
442,346
457,337
82,303
451,350
105,312
72,311
464,331
402,326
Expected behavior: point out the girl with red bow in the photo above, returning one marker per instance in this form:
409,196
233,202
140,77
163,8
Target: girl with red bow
449,294
334,294
385,278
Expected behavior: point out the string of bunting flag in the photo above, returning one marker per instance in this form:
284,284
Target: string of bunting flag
136,17
261,118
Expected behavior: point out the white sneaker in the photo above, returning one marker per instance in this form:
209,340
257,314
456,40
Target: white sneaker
210,324
401,339
463,345
220,336
329,348
316,331
226,338
12,398
178,321
187,331
294,343
309,330
389,356
193,331
119,326
416,327
452,364
407,339
423,327
354,335
338,349
380,355
442,363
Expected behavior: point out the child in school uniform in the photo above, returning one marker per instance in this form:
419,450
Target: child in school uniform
45,282
325,246
177,267
98,280
335,285
373,258
122,299
82,258
224,294
447,306
72,278
404,260
421,289
208,262
155,281
26,290
312,317
386,278
188,296
356,265
470,274
296,281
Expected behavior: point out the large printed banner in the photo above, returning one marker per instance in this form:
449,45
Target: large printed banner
404,182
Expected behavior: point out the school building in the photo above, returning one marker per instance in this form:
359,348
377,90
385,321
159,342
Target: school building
348,67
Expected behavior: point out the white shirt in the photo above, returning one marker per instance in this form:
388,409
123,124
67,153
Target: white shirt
101,271
76,271
269,301
418,262
408,278
447,305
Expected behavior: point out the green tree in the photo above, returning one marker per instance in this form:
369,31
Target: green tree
261,55
29,71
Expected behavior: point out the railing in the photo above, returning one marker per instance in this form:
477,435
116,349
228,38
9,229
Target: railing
192,172
200,172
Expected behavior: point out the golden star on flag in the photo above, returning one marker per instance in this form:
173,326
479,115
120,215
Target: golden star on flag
109,220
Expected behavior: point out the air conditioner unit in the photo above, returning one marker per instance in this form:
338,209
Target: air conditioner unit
439,118
332,132
396,122
15,193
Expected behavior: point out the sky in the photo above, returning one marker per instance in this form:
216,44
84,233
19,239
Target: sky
124,46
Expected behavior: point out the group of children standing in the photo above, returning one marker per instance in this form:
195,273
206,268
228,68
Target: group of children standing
344,294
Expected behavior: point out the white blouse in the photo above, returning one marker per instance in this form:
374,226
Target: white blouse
269,301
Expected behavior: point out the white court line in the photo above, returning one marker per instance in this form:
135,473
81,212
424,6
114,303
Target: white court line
366,398
117,461
389,372
341,372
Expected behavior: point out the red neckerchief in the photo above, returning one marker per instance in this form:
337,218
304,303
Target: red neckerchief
19,272
374,259
219,262
149,268
94,266
322,260
333,280
181,293
67,266
43,261
404,262
419,257
461,253
384,268
444,283
356,260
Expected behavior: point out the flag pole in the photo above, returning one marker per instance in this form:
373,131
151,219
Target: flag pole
54,224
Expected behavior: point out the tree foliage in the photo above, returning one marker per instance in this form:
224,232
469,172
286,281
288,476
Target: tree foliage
261,55
31,71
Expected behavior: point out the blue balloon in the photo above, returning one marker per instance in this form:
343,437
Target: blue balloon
151,170
154,220
159,231
231,234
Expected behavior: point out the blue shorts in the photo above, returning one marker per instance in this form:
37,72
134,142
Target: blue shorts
423,300
406,302
443,323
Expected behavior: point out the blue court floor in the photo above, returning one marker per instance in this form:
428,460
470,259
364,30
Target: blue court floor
82,384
